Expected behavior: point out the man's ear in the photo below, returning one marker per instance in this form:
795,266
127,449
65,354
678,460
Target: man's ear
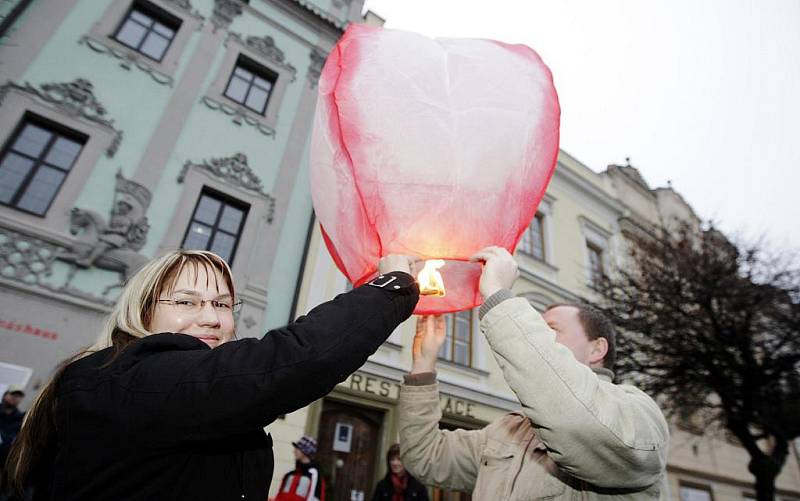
599,351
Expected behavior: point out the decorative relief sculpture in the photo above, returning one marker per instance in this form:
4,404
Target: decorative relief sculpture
127,59
75,99
225,11
113,245
28,260
233,170
266,48
239,114
315,68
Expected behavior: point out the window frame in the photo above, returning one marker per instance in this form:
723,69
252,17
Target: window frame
451,326
257,70
529,233
592,248
158,15
101,140
102,37
216,99
226,200
599,238
57,130
696,486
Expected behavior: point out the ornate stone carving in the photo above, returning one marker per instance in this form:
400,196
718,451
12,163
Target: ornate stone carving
29,260
249,322
236,171
225,11
240,115
128,59
75,99
186,6
315,68
113,245
266,48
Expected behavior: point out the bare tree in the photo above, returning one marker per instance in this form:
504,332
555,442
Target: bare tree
713,330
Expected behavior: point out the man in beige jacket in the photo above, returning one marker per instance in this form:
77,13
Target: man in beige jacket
577,436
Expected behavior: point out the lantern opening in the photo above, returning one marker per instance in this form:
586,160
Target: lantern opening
430,280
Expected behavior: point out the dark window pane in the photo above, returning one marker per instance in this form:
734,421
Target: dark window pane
164,30
461,354
257,100
525,242
462,327
223,245
263,84
41,190
207,210
243,73
197,237
63,152
13,171
536,237
231,218
32,140
237,89
154,46
141,17
131,34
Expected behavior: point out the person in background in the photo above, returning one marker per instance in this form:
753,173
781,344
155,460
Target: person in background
305,482
398,484
10,420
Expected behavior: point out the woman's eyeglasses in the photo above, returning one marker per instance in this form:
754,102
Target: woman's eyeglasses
191,305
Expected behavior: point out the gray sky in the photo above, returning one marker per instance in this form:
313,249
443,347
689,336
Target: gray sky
705,93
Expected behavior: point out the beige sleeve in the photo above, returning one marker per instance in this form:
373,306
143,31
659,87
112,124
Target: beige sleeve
609,435
448,459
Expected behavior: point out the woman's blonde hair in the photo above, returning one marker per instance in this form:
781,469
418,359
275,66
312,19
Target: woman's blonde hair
129,319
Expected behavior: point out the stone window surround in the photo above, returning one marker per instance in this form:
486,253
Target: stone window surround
598,237
216,98
103,31
15,106
546,210
226,201
194,181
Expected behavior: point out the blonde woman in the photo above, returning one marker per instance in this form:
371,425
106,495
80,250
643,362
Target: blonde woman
168,405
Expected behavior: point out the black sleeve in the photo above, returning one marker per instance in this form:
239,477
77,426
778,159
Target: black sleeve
244,385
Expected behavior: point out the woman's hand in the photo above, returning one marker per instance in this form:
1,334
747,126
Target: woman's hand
396,262
428,340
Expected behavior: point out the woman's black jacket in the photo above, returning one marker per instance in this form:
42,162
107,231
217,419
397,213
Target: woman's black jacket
170,418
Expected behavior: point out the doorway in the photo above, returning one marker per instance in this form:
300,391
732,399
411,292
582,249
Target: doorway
349,437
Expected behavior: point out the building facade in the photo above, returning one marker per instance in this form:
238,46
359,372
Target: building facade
577,234
133,127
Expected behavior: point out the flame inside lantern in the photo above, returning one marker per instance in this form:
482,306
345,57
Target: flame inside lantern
430,280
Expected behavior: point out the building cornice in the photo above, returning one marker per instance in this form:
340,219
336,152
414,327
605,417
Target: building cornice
567,173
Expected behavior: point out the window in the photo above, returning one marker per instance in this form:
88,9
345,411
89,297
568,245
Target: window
216,225
696,493
532,242
35,163
596,271
148,30
250,85
458,342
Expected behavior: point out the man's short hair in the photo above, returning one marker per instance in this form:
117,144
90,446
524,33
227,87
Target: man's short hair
596,325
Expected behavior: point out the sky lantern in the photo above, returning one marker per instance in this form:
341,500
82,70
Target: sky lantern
434,148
